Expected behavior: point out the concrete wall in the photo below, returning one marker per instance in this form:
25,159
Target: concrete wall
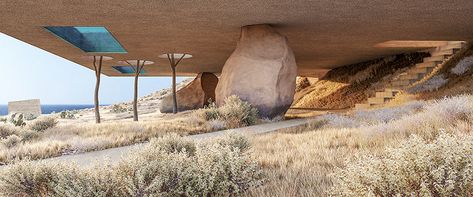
32,106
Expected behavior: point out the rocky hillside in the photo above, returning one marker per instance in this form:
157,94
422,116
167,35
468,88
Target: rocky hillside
148,106
345,86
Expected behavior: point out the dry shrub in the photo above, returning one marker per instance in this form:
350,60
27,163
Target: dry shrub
7,130
219,167
29,179
450,113
42,123
11,141
182,168
234,113
301,83
173,143
300,163
416,167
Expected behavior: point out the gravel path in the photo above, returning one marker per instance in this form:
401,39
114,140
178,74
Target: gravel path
112,156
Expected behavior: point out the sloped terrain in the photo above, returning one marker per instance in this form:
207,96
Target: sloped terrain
345,86
453,78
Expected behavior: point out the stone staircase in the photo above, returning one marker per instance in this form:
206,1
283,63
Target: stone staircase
438,55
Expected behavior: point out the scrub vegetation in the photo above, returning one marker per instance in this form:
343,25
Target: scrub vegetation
168,166
426,147
44,137
233,113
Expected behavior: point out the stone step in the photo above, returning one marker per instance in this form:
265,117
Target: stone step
456,42
409,77
394,91
426,65
411,81
362,106
385,94
443,52
376,101
419,70
452,46
439,58
398,87
400,83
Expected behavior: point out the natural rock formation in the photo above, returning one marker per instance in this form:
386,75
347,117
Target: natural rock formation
194,95
262,70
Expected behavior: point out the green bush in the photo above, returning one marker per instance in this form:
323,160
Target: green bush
42,123
220,167
117,108
234,113
18,119
67,114
443,167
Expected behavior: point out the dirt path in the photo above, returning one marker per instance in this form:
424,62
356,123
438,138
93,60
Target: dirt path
112,156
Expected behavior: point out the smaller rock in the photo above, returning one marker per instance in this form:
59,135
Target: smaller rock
194,95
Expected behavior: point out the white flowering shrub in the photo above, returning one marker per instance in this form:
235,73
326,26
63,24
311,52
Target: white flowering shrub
432,84
463,66
169,166
442,167
234,113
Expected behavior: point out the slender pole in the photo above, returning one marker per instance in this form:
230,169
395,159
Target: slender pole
173,63
174,96
98,70
135,97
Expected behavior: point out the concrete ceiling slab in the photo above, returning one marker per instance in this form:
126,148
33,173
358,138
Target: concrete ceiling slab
323,34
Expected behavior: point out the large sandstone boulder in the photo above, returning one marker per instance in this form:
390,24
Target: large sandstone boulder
194,95
262,70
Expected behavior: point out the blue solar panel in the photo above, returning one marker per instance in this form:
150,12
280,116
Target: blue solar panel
127,70
89,39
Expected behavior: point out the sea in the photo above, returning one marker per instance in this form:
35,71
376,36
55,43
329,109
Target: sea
47,109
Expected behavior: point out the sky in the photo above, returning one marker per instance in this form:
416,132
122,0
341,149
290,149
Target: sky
28,72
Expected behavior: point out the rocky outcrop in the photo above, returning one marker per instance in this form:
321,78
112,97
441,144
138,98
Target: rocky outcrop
262,70
194,95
